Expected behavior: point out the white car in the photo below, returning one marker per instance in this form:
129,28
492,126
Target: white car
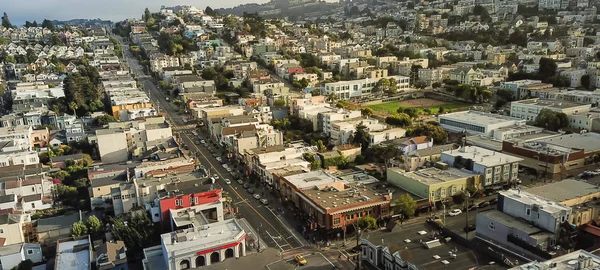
219,159
455,212
202,141
227,181
225,166
256,196
228,170
215,176
264,201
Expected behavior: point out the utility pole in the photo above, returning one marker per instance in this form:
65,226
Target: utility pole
467,216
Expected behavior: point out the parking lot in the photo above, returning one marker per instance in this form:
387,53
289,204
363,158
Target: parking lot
315,261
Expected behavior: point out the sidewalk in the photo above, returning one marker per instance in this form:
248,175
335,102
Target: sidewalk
251,232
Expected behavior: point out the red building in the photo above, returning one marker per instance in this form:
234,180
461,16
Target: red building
183,195
295,70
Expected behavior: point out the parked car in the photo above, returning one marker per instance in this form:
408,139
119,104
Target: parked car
251,191
483,204
469,228
202,141
219,159
227,181
240,181
215,176
455,212
257,196
264,201
246,185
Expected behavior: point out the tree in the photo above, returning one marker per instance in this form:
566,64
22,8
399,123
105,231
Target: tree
551,120
367,112
436,85
320,146
486,94
137,234
420,84
367,223
147,15
79,229
406,204
441,110
48,25
586,82
104,120
547,68
361,136
382,85
24,265
401,119
437,133
93,224
410,111
209,11
5,21
73,106
279,104
482,13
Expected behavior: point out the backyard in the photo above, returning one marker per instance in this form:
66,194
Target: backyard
421,104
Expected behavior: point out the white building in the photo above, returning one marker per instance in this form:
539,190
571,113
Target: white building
345,90
515,86
477,123
196,247
497,168
12,255
570,261
74,254
530,108
328,118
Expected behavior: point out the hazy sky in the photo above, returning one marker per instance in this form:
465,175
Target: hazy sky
20,11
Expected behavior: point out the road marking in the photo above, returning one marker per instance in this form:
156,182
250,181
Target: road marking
325,258
286,227
213,166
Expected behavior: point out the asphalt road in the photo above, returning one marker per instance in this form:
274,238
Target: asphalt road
271,229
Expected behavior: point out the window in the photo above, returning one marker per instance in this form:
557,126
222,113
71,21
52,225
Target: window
528,211
492,226
32,205
1,230
336,221
29,251
196,200
176,202
33,189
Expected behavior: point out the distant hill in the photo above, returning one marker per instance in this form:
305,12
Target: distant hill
83,22
249,8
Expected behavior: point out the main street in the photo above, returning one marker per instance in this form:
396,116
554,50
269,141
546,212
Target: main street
271,228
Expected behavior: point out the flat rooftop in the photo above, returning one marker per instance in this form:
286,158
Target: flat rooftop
590,141
483,156
555,104
432,176
73,255
531,199
11,130
311,179
568,261
344,197
204,237
564,190
482,118
511,221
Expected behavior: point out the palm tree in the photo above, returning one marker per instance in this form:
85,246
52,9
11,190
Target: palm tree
74,107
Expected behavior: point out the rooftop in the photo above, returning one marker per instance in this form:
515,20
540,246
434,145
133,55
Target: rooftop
570,261
340,197
11,130
73,254
435,150
483,156
481,118
588,141
311,179
527,198
59,222
202,238
511,221
554,104
565,190
433,176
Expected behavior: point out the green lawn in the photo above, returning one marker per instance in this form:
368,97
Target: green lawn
393,106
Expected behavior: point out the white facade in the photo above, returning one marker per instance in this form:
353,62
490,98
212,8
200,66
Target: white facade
386,135
497,168
539,211
477,123
530,108
345,90
330,117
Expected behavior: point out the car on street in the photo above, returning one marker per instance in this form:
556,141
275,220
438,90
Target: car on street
257,196
300,259
227,181
264,201
202,141
216,176
167,99
483,204
246,185
219,159
240,181
228,170
455,212
250,190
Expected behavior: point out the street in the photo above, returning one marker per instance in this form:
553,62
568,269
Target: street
271,229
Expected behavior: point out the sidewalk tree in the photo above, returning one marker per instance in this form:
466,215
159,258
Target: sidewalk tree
406,204
367,223
93,224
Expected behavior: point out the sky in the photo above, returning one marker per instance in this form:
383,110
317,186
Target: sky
20,11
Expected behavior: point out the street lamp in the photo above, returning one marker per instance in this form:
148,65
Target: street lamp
444,205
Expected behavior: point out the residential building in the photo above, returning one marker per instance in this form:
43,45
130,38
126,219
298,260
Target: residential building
577,194
196,247
466,75
122,140
11,227
581,97
435,184
12,255
160,61
377,137
356,89
74,253
416,159
111,256
515,87
51,229
326,119
194,83
571,261
415,143
383,258
263,160
343,130
529,109
498,169
431,75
